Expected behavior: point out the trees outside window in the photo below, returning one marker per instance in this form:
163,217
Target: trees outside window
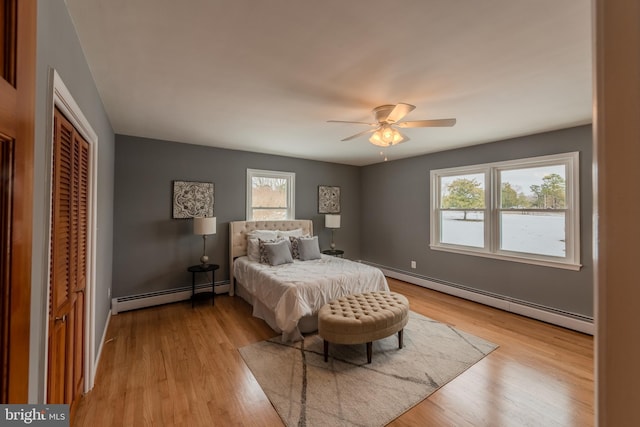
463,209
464,193
551,193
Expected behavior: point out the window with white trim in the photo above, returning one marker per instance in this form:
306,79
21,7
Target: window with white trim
525,210
270,195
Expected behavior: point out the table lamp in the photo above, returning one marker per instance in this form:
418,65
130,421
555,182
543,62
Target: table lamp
204,226
332,222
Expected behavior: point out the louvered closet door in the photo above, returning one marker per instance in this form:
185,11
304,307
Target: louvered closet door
81,264
68,263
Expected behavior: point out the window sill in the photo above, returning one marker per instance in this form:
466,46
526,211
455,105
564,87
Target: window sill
503,257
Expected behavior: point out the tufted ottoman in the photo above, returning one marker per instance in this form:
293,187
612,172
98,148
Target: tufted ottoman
362,318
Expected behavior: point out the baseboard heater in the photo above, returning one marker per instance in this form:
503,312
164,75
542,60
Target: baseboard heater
150,299
551,315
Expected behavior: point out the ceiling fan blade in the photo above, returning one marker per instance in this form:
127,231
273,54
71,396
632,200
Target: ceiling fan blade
399,111
347,121
358,134
427,123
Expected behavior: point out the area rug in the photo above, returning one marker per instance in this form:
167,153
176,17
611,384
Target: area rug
346,391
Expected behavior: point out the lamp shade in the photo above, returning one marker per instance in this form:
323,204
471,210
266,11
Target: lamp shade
204,226
332,221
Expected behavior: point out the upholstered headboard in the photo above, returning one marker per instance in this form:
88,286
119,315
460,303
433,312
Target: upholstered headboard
238,231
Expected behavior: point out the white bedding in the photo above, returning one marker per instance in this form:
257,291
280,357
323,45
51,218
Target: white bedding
296,290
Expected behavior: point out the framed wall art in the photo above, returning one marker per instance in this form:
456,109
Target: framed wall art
192,199
328,199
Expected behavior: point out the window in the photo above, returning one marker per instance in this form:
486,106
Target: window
522,210
270,195
463,206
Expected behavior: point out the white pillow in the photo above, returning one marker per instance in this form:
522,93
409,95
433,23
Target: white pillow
309,249
290,233
263,234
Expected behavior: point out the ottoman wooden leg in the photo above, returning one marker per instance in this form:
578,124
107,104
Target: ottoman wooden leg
326,350
400,334
369,351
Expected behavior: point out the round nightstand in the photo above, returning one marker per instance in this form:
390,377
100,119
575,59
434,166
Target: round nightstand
334,252
203,269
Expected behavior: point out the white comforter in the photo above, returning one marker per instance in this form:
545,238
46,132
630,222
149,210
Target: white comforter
296,290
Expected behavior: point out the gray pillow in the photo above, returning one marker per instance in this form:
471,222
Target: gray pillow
293,240
262,250
278,253
309,249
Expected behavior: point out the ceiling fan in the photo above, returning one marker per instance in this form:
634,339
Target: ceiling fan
385,132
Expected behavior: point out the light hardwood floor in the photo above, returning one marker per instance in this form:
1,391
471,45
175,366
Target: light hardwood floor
177,366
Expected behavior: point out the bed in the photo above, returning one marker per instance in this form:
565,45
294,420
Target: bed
289,296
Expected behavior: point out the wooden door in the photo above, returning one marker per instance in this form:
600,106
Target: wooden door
68,263
17,100
616,152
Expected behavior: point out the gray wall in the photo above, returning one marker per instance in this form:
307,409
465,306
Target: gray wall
58,47
395,224
152,251
385,215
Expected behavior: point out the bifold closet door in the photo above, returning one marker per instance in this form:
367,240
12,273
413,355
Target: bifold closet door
68,263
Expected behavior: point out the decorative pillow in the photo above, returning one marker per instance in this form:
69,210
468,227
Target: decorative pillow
253,249
264,258
286,234
262,250
278,253
309,248
295,252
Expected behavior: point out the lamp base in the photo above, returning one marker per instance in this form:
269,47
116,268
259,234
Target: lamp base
204,260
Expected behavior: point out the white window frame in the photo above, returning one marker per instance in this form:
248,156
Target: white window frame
491,249
291,190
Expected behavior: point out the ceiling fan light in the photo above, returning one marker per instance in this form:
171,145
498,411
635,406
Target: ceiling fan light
397,137
388,134
376,139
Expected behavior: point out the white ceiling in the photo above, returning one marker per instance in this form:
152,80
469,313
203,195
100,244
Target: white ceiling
265,76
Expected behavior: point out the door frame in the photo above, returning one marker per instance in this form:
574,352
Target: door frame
17,122
60,97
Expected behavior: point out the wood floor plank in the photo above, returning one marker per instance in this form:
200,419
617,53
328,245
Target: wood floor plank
177,366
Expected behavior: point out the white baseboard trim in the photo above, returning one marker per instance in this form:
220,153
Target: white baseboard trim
151,299
96,361
546,315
